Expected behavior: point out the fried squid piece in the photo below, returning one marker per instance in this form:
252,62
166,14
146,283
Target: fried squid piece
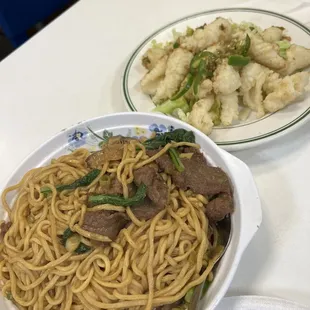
205,88
298,57
226,79
151,80
219,30
229,108
287,90
200,117
273,34
177,68
217,49
253,77
152,57
265,53
271,82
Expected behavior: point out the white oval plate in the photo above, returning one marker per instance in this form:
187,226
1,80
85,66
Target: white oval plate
239,136
88,134
258,303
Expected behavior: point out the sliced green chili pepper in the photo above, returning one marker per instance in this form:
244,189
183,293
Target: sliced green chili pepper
119,200
194,63
199,76
185,89
176,45
208,54
209,58
246,46
238,60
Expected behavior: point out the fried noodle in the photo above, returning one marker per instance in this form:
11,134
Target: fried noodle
151,263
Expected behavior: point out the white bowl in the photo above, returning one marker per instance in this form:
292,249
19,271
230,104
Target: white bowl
247,215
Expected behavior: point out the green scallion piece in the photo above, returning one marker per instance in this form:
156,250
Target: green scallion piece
238,60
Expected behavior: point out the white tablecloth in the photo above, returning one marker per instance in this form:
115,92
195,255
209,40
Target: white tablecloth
71,71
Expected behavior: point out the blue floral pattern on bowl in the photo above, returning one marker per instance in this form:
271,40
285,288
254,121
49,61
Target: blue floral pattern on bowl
160,129
77,138
88,138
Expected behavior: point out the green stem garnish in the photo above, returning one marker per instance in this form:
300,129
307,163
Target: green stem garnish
175,158
119,200
83,181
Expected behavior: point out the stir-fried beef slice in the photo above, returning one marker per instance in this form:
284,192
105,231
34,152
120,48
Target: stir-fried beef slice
190,149
165,164
157,189
146,210
151,153
201,179
197,175
115,188
109,152
219,207
4,227
112,150
120,140
106,223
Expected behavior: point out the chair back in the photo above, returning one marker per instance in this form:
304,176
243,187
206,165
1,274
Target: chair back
18,16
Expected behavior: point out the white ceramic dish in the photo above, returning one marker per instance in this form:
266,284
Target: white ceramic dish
245,220
258,303
241,135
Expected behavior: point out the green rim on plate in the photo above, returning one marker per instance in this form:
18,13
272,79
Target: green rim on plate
286,18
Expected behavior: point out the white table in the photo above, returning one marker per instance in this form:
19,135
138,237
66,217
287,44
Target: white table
71,71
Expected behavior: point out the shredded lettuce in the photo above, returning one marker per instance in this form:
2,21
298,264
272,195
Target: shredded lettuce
250,26
169,106
234,26
189,295
189,31
176,34
155,44
180,114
